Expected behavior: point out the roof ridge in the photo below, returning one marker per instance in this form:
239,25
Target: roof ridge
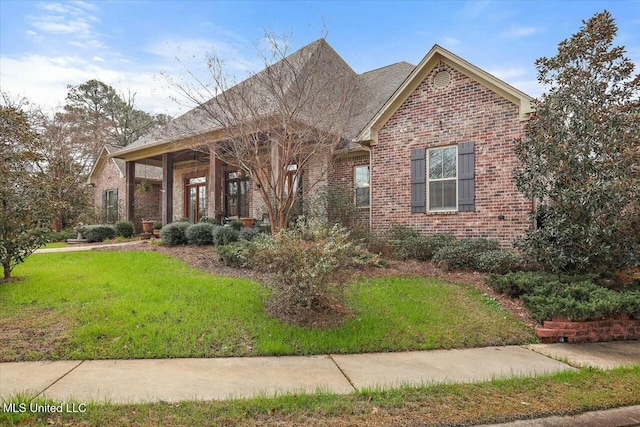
387,66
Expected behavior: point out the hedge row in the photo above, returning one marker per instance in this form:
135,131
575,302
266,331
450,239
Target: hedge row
446,251
203,233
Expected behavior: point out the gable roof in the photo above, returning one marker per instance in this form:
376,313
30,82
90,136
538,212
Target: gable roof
143,171
369,132
189,129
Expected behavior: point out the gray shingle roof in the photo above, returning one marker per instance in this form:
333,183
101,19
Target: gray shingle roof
374,89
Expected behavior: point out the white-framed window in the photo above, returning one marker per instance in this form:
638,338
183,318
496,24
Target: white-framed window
442,179
362,185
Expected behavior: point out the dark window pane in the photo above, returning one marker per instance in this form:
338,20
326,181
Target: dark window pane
435,195
435,164
449,162
449,194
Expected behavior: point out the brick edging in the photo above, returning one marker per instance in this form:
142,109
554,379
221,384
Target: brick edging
616,328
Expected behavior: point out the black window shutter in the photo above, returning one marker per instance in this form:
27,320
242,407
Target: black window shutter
115,201
466,177
418,181
104,199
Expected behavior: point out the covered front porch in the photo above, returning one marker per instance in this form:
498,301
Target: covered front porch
195,184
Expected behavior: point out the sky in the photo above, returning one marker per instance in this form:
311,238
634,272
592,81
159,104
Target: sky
134,45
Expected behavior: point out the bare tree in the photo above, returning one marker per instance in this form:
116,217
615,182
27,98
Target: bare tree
278,124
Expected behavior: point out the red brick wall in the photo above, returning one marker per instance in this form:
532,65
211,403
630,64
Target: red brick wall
342,178
463,111
616,328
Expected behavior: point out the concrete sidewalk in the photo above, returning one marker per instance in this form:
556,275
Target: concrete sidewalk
89,247
172,380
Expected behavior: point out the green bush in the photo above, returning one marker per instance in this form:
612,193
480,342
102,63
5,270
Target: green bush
247,233
236,224
520,283
238,254
421,247
157,226
305,261
99,233
223,235
402,232
200,234
579,301
124,229
463,254
209,220
497,261
174,233
67,233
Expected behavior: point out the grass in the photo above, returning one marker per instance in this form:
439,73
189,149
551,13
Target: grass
503,400
104,305
52,245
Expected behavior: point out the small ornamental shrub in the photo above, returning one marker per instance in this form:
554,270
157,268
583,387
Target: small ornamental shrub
247,233
223,235
402,232
157,226
68,233
236,224
497,261
124,229
520,283
463,254
209,220
174,233
305,261
99,233
421,247
200,234
579,301
238,254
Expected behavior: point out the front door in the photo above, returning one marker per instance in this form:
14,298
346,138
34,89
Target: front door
196,198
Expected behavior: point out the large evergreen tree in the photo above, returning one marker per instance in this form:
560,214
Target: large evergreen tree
580,156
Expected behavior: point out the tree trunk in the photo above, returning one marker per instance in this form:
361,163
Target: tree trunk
7,271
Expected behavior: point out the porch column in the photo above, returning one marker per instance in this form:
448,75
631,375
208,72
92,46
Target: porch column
130,188
216,184
167,188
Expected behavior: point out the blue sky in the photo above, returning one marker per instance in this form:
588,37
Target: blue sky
47,45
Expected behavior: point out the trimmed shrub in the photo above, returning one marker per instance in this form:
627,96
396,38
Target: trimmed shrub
238,254
463,254
497,261
209,220
68,233
520,283
124,228
174,233
579,301
236,224
200,234
99,232
421,247
223,235
157,226
247,233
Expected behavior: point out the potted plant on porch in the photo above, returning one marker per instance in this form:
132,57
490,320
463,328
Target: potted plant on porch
147,226
157,226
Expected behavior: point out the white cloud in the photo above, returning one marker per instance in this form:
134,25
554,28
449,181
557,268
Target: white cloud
506,73
517,32
44,81
450,41
71,19
98,59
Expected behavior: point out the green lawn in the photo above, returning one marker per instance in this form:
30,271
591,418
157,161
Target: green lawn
100,305
52,245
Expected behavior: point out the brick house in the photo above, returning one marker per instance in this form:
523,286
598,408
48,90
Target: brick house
431,149
109,188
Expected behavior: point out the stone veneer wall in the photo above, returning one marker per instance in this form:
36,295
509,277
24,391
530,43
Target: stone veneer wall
463,111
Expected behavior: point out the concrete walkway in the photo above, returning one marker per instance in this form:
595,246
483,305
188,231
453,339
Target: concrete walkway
89,247
172,380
